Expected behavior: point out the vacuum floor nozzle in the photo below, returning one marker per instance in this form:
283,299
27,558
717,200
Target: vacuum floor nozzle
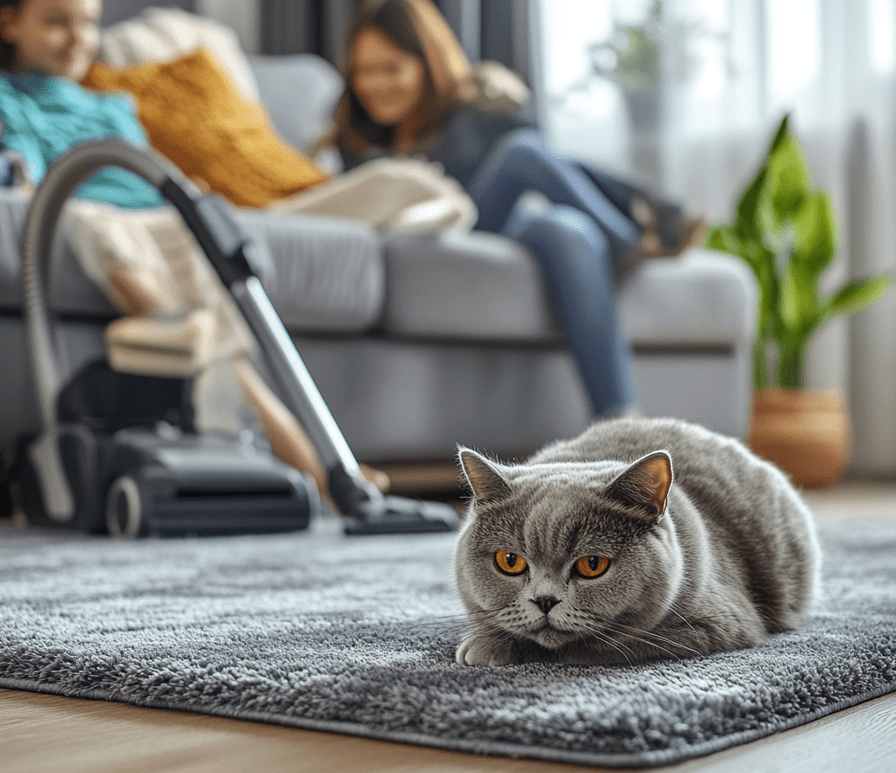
400,515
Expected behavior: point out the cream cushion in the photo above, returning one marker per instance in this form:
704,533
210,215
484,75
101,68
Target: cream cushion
165,34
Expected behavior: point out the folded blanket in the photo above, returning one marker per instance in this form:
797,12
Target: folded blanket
181,320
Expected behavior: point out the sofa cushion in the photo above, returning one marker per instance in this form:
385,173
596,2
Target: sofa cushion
166,34
300,92
701,299
326,274
465,286
234,148
482,286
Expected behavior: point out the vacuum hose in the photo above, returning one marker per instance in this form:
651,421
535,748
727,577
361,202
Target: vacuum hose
230,252
61,180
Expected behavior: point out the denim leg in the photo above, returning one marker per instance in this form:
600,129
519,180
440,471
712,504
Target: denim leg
522,161
622,193
575,258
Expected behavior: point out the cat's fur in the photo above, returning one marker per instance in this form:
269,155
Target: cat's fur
716,559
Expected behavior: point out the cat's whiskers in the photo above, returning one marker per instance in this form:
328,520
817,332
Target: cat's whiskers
495,634
642,636
454,623
598,628
616,645
497,621
678,614
639,635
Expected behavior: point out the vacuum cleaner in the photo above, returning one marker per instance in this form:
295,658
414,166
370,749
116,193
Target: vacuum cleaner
117,452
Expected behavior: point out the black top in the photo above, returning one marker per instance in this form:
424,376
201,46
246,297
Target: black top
460,146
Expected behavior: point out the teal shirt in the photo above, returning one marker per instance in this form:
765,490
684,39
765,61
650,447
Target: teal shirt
44,116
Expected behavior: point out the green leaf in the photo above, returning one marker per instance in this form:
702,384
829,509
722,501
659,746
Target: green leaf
746,219
857,295
799,306
749,220
781,133
788,179
723,239
814,234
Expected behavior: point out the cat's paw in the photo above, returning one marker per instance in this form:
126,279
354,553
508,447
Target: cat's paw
481,651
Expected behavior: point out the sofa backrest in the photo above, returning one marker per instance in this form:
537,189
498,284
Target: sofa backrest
299,92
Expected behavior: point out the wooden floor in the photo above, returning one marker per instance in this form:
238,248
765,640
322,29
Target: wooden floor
48,733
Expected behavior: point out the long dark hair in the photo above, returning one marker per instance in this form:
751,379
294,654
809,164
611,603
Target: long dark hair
416,27
7,49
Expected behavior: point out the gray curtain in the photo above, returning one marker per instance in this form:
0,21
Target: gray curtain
487,29
118,10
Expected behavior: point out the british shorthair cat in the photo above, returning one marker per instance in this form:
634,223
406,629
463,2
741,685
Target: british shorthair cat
641,538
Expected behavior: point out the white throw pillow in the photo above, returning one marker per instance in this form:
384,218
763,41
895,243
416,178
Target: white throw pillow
166,34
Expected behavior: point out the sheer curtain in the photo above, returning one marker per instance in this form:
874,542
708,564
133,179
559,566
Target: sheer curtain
730,70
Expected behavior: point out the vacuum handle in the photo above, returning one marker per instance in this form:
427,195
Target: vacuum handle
224,243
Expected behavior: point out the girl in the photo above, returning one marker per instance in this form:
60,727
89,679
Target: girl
411,90
46,47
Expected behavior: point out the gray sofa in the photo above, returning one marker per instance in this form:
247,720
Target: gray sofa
421,343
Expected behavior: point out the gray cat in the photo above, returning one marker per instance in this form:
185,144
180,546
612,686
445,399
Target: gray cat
590,553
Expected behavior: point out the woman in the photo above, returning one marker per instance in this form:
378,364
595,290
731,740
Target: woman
411,90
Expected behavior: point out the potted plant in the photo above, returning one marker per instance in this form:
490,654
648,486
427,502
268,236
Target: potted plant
785,229
634,58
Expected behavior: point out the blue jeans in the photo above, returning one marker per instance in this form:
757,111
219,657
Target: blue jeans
575,260
575,251
522,161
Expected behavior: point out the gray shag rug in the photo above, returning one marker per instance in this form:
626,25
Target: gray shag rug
357,636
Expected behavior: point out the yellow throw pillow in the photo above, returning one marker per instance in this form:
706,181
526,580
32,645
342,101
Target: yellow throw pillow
196,118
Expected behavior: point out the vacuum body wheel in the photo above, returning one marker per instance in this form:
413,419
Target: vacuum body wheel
124,508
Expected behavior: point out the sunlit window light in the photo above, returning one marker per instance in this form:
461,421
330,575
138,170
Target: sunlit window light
709,21
568,27
794,54
882,21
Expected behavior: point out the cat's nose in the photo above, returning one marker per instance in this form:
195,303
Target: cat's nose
545,603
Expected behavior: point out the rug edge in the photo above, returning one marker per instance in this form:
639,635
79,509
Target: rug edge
481,748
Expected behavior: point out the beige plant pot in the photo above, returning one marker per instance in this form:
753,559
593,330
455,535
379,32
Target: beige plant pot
805,432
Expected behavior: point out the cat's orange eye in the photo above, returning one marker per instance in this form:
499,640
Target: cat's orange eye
510,563
592,566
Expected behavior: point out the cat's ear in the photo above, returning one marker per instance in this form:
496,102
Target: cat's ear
484,476
645,484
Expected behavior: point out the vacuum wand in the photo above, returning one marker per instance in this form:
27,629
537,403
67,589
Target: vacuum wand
303,395
364,507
